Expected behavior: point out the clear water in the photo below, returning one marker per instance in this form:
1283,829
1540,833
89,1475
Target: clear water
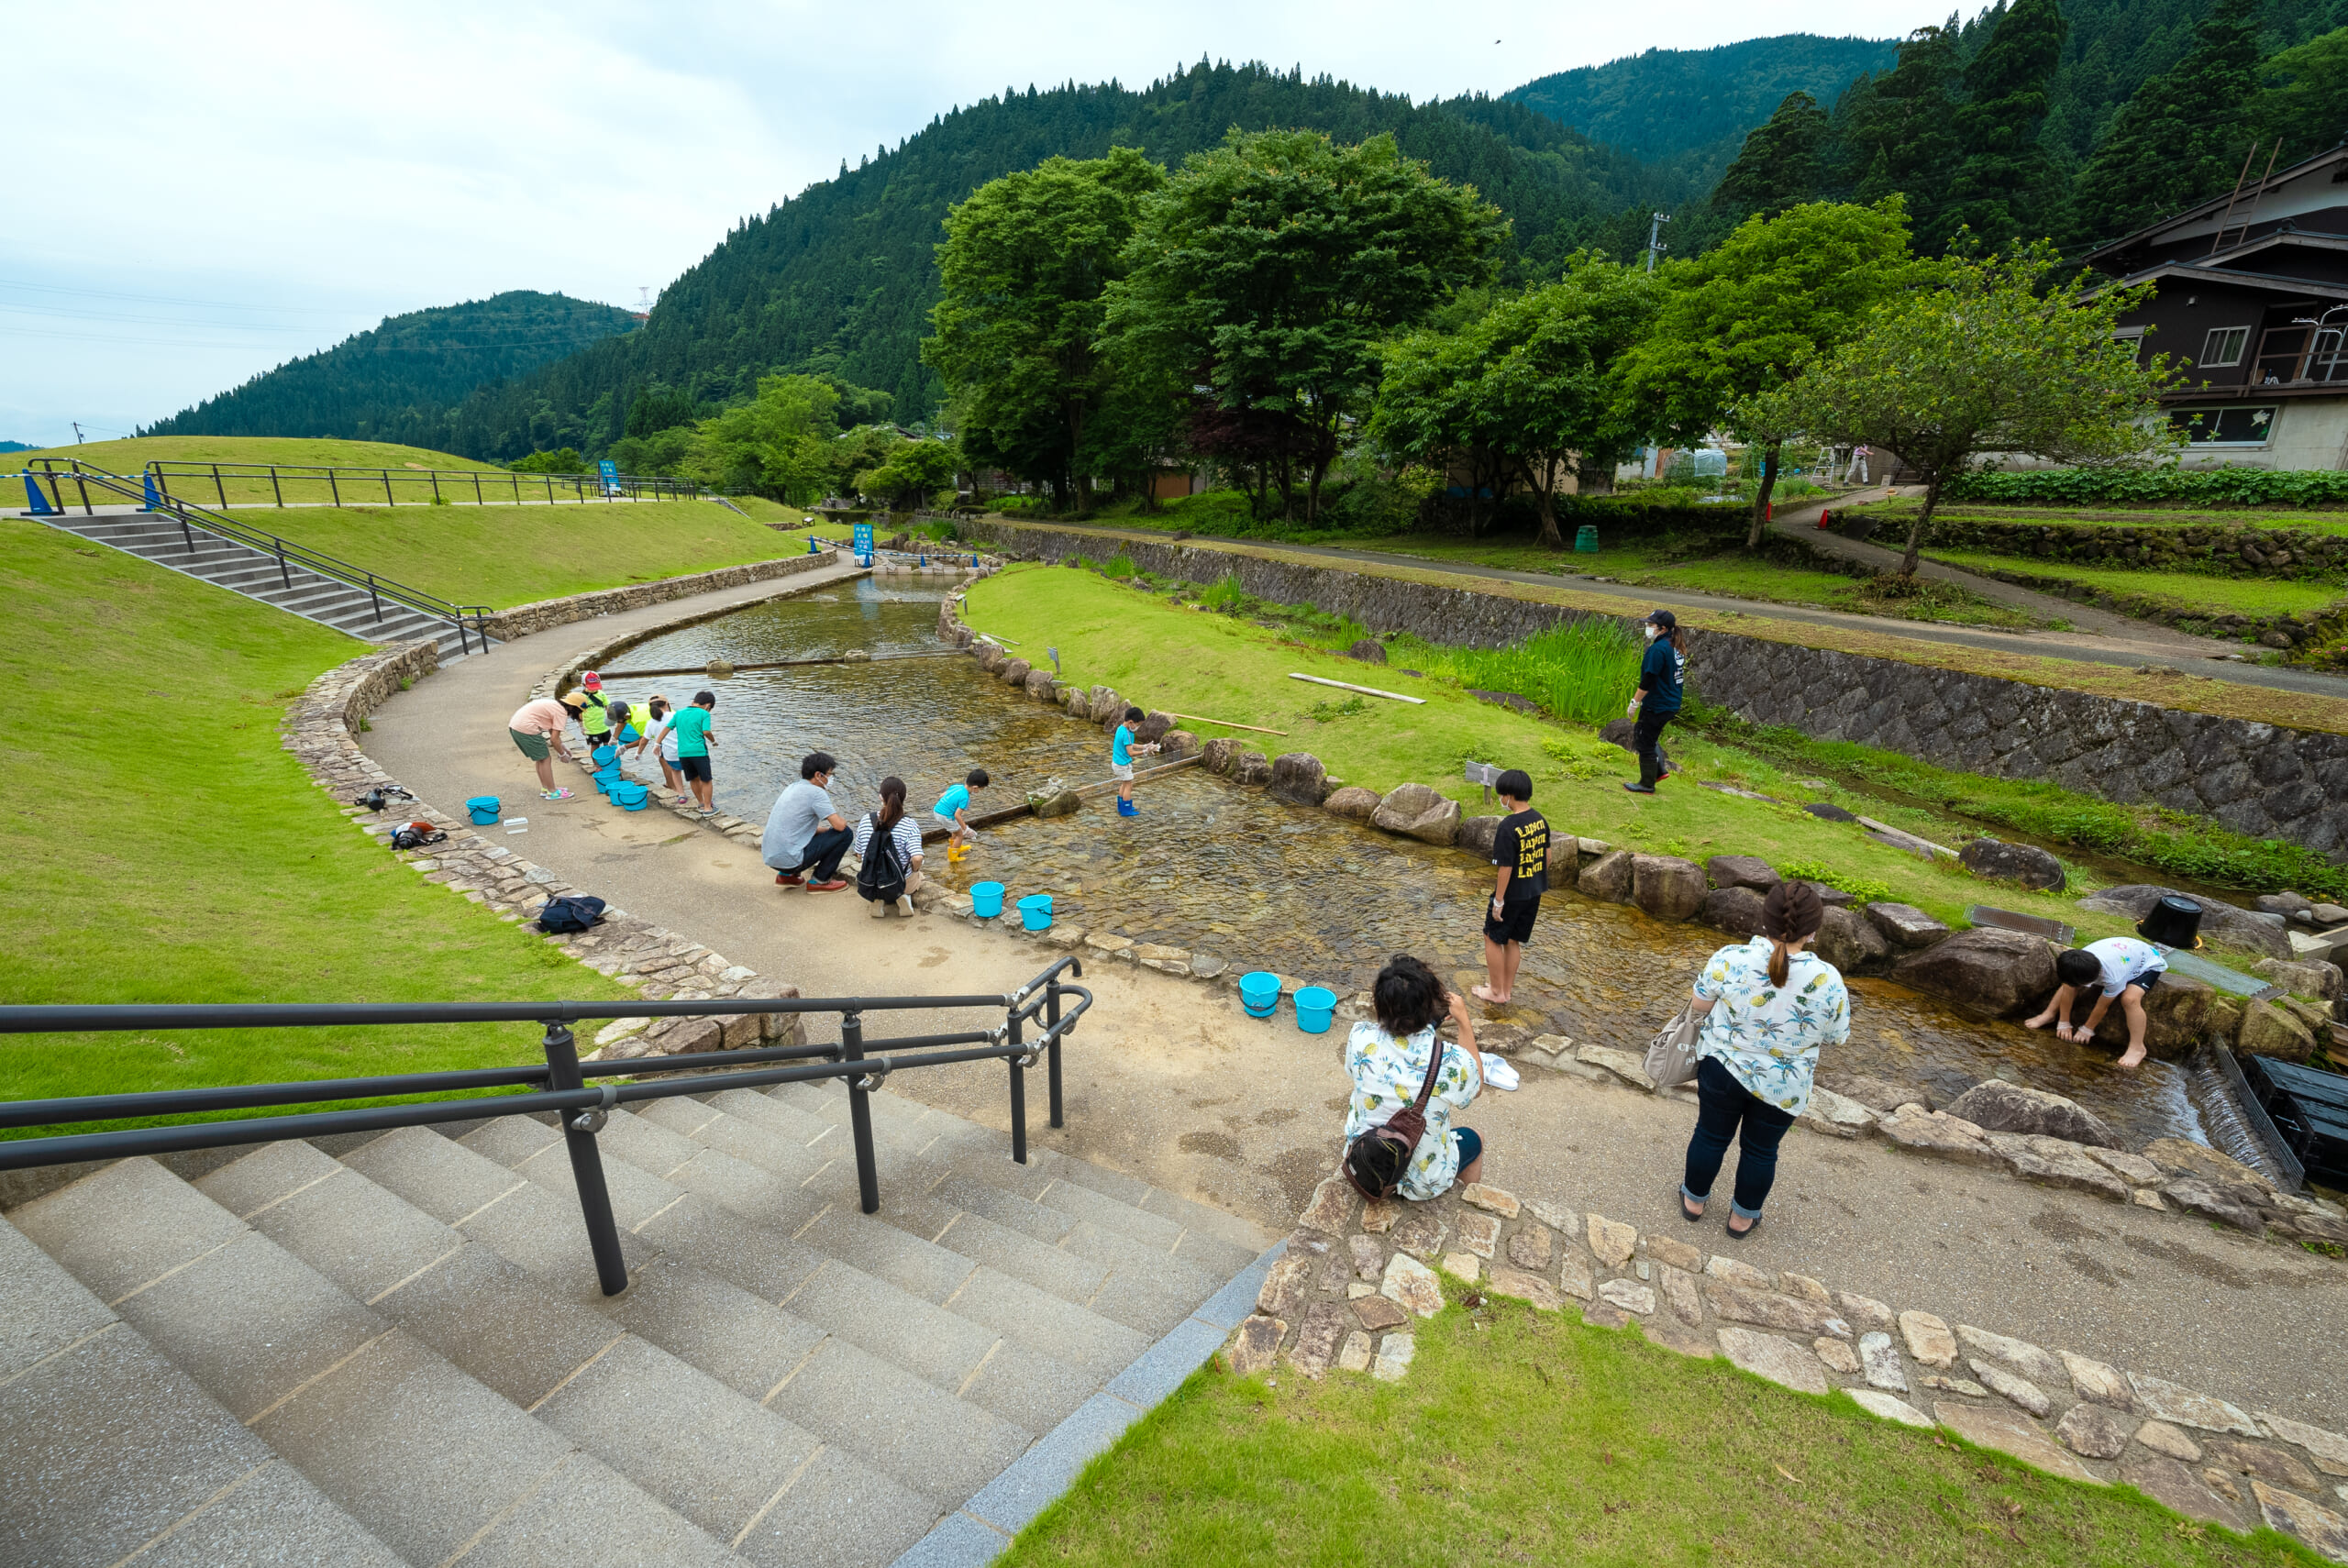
1214,868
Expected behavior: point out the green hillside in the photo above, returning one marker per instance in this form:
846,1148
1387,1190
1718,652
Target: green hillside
132,454
840,278
396,382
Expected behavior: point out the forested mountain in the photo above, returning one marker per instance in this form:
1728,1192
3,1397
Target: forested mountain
840,279
396,382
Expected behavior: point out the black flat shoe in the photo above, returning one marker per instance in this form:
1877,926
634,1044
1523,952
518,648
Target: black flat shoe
1690,1215
1737,1235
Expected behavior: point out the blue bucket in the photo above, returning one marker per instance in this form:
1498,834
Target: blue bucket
1259,993
630,796
1036,911
1314,1006
483,809
986,899
604,755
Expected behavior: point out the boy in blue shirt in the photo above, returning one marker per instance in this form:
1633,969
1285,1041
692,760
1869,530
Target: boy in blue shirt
953,810
1121,762
1661,673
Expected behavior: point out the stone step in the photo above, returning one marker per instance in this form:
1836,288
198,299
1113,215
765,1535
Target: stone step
957,1354
424,1456
720,1459
112,1453
724,1320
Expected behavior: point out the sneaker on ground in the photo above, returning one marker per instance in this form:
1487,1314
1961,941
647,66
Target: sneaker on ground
834,886
554,794
875,909
905,905
789,879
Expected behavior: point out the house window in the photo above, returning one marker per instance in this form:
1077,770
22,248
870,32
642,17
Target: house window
2224,346
2225,427
2133,338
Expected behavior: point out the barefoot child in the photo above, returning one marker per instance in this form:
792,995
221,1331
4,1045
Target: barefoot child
1121,762
1521,850
2119,966
953,810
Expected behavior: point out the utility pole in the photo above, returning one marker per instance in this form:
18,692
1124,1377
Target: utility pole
77,431
1655,237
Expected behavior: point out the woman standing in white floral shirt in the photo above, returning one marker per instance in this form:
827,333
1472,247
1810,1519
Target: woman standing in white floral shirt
1767,1005
1388,1060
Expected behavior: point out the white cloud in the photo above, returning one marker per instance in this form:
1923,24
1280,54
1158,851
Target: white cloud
307,168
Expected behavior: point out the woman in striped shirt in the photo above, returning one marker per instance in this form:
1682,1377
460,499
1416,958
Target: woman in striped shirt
890,873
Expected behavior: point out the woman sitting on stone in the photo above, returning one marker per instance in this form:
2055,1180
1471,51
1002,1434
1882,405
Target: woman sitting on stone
889,844
1767,1006
1388,1060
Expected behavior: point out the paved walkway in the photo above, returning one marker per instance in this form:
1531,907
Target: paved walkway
1174,1085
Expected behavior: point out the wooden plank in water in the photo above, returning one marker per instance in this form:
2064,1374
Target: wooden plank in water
1012,813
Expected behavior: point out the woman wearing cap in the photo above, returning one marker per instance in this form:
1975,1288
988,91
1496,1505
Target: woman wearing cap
537,729
1658,703
1767,1005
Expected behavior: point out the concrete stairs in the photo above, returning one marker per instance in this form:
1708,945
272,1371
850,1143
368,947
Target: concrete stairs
254,573
400,1356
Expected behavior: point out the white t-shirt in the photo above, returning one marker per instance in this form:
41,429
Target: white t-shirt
660,735
2125,961
904,835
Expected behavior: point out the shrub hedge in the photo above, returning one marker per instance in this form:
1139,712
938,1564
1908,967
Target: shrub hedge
2230,486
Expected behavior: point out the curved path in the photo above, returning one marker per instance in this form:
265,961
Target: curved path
1174,1085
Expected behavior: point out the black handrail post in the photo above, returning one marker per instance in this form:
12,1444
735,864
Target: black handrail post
860,1114
283,575
334,489
1018,1096
376,597
276,489
586,1161
221,485
1052,1022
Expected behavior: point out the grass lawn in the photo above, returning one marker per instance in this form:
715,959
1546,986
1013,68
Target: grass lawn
132,454
1160,655
504,556
1525,1437
2207,593
162,848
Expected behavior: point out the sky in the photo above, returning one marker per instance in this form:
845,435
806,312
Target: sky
223,187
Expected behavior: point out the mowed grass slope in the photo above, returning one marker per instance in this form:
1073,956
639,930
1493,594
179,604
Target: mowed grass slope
1528,1438
133,453
1159,655
162,847
504,556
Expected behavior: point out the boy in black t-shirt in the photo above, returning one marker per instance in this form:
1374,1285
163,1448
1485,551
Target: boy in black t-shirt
1521,850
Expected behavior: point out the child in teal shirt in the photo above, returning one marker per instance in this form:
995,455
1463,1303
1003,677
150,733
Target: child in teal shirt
695,736
1122,749
953,810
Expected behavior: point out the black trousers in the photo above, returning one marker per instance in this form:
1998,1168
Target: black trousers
821,860
1647,739
1726,1109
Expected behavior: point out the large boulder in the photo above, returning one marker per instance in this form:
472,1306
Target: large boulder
1905,926
1850,942
1476,833
2181,1156
1107,704
1155,728
1736,910
1414,811
1666,887
2007,973
1370,650
2024,863
991,658
2220,922
1220,754
1253,768
1041,685
1063,802
1997,1105
1297,777
1353,803
1741,871
1565,858
2306,979
1617,731
1016,672
1609,876
2181,1015
2268,1031
1178,743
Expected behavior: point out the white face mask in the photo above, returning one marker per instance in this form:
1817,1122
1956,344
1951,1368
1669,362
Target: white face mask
1651,631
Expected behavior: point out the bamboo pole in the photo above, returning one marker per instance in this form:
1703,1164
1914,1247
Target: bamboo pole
779,664
1349,686
1225,724
1012,813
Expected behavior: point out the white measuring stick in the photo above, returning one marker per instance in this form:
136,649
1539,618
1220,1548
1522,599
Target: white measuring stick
1349,686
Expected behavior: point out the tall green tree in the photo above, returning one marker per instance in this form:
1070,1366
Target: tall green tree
1754,313
1026,265
2008,185
1530,382
1996,358
1270,269
1897,132
1782,163
778,443
2302,99
2181,136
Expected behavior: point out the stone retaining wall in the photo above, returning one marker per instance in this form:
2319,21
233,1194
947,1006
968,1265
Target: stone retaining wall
524,619
2252,778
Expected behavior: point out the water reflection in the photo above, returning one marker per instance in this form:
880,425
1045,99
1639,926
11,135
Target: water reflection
1212,867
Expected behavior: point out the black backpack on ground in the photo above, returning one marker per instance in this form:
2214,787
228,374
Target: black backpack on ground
1377,1159
881,878
416,836
569,913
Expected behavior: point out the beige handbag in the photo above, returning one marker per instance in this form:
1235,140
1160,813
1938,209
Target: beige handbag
1671,1055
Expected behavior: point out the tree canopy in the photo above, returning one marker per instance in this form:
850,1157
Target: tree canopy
1782,163
2180,136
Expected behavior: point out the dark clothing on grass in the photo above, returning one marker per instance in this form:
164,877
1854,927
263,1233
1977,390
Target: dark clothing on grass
1647,739
1659,677
1726,1109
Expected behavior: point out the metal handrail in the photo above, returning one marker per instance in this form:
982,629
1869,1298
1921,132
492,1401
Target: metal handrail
559,1085
192,518
362,480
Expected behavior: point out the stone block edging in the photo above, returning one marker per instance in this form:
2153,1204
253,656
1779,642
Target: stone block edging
1355,1277
546,614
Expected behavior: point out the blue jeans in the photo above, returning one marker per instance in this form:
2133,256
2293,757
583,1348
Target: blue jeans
1724,1106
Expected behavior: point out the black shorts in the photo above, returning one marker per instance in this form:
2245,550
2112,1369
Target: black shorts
1514,922
695,768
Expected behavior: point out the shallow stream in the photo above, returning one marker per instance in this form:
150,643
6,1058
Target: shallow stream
1214,868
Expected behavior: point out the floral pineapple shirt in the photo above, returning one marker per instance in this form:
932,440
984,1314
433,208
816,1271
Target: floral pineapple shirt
1387,1074
1769,1036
